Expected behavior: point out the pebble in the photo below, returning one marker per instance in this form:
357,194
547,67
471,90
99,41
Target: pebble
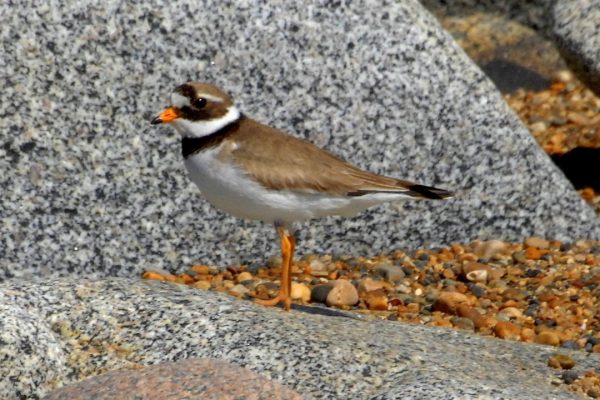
561,361
463,323
391,273
204,285
535,241
319,293
511,312
343,293
548,337
507,330
490,248
448,301
480,276
240,290
533,253
370,284
300,292
244,276
155,276
376,300
201,269
569,376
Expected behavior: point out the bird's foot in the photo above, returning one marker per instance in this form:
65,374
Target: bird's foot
280,298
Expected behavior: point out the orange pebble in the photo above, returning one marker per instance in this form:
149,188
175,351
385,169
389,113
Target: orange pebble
153,275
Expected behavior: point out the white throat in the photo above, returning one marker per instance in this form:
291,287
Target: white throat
198,129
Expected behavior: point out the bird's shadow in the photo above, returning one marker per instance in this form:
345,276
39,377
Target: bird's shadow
325,311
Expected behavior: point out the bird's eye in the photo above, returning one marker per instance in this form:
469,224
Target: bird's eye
199,103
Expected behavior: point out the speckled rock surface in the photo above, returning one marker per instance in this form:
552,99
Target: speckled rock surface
116,323
90,187
31,357
193,378
577,30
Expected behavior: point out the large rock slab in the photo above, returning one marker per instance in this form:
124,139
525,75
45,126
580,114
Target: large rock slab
90,187
106,325
192,378
577,30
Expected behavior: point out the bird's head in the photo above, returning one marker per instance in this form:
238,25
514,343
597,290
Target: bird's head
198,109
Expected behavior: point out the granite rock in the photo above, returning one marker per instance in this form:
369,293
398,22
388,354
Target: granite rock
117,323
31,357
202,378
577,33
89,187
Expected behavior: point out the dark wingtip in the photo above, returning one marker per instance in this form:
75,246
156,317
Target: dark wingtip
429,192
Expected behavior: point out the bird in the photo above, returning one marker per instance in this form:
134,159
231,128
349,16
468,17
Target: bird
257,172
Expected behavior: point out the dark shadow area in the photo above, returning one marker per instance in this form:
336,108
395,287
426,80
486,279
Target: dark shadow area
581,166
325,311
508,76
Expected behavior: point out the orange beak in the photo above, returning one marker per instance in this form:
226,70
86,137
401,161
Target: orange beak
166,116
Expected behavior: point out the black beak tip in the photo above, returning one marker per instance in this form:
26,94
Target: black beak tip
156,121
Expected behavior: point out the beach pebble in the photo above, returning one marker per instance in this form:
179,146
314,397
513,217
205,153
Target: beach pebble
447,302
561,361
370,284
507,330
319,293
535,241
343,293
392,273
300,292
548,337
376,300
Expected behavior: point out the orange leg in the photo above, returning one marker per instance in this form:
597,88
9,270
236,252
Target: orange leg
288,244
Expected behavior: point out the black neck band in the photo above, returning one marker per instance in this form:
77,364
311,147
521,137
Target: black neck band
192,145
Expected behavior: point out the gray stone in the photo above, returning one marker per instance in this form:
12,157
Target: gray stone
577,32
90,187
193,378
100,326
392,273
31,357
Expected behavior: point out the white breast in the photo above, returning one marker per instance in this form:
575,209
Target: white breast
228,188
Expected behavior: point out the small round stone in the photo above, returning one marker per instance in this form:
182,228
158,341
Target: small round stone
535,241
463,323
392,273
376,300
244,276
319,293
370,284
343,293
507,330
447,302
569,376
300,292
205,285
548,338
561,361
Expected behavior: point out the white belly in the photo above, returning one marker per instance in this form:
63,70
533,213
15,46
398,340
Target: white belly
226,187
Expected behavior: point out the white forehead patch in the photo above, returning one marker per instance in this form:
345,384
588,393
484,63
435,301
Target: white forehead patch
179,101
210,97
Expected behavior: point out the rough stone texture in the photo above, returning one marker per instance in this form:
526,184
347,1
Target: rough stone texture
31,357
117,323
204,379
577,30
90,187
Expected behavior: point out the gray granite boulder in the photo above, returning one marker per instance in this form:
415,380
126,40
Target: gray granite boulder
117,323
89,187
577,31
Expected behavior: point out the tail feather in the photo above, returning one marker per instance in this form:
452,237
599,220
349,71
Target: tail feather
412,190
429,192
